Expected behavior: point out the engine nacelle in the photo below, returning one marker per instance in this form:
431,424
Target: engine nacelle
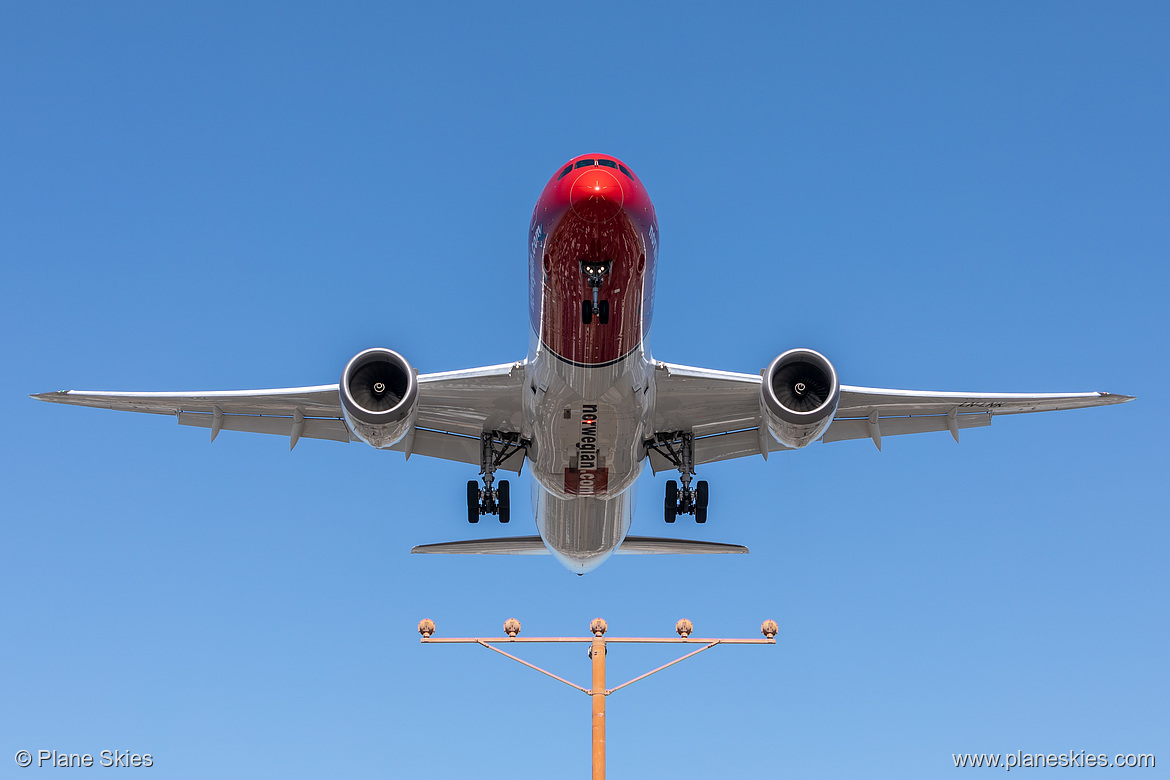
798,396
379,397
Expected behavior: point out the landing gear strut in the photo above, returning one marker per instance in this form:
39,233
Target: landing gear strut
679,449
495,448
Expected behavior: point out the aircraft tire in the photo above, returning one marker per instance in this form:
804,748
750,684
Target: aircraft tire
503,501
701,495
472,501
586,312
603,312
671,503
700,514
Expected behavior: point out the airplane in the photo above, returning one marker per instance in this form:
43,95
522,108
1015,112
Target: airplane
588,408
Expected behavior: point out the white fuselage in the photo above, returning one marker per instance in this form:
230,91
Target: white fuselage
588,427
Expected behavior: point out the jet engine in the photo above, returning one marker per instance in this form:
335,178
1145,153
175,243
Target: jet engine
798,396
379,397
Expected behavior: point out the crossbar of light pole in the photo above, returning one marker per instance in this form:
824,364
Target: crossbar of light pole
663,640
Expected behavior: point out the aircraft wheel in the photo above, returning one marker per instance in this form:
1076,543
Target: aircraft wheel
472,501
701,494
586,312
700,514
671,504
503,502
603,312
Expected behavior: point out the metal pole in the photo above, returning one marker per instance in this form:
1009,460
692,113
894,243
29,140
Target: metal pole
597,655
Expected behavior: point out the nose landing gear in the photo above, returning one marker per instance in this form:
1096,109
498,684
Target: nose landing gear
595,273
678,448
590,308
496,448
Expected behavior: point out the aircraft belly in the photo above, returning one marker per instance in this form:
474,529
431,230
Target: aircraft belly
587,430
587,434
582,532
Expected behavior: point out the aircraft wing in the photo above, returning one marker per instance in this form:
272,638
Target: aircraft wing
722,411
455,408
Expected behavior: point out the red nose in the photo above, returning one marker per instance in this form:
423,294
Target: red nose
596,195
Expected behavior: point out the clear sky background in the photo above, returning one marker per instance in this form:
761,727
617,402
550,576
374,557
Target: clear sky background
936,196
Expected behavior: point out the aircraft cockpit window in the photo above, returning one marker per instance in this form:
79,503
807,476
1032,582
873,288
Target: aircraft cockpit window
583,163
622,168
565,172
607,163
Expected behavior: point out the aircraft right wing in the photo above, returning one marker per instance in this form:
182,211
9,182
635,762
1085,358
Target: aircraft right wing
721,409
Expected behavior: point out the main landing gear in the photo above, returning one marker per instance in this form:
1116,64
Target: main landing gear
495,448
679,449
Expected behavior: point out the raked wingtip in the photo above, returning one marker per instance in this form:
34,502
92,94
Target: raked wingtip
1114,398
50,397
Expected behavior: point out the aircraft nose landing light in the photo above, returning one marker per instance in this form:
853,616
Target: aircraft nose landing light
596,195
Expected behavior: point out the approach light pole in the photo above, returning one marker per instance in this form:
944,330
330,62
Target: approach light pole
597,652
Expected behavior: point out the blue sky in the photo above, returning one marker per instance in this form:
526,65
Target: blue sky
935,196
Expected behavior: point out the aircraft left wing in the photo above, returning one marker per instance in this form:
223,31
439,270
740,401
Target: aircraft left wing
721,409
455,409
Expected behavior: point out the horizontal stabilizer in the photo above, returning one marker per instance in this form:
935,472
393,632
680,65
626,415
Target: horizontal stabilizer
534,545
652,545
